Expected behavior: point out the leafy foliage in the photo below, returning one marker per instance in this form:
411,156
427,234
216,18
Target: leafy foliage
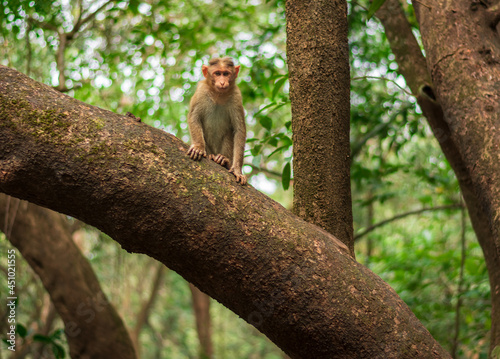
54,341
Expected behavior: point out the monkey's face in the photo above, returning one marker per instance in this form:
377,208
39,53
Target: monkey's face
220,77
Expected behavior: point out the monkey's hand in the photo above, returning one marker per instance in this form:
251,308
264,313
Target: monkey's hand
240,177
220,159
196,152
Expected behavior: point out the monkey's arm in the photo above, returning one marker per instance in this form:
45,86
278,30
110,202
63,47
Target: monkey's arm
240,135
197,149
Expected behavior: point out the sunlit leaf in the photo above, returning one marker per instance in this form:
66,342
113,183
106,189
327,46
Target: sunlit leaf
279,149
265,108
278,85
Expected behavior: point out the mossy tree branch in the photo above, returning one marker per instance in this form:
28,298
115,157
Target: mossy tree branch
293,281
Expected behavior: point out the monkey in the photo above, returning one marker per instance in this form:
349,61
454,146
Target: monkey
216,118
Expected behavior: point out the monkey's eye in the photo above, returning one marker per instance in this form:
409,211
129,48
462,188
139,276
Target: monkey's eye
217,73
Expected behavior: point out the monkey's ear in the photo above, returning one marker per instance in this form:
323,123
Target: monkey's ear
204,69
236,70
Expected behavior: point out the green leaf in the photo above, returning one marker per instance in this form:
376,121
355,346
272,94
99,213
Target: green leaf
376,4
273,141
266,122
285,177
58,351
57,334
279,149
265,107
255,150
42,338
133,5
287,141
21,330
278,85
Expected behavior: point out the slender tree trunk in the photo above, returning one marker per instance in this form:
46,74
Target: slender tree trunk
292,280
318,63
201,307
93,328
143,315
47,319
461,103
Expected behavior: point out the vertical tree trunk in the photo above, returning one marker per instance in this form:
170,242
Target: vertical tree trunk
461,103
143,315
318,63
201,306
48,318
463,55
462,44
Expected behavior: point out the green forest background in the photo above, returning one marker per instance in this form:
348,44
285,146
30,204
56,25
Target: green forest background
410,224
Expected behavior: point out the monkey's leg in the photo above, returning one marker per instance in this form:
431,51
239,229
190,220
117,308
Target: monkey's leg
196,152
240,177
220,159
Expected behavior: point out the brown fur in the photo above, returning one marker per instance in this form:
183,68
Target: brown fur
216,117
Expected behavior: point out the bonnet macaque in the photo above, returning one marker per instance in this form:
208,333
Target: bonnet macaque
216,118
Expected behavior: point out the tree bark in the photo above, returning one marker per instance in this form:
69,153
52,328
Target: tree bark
460,102
318,64
463,55
292,280
201,308
93,328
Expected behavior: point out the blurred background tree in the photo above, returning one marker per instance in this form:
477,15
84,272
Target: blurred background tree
145,57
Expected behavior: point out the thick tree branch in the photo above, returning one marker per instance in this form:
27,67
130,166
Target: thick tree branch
93,328
293,281
411,61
